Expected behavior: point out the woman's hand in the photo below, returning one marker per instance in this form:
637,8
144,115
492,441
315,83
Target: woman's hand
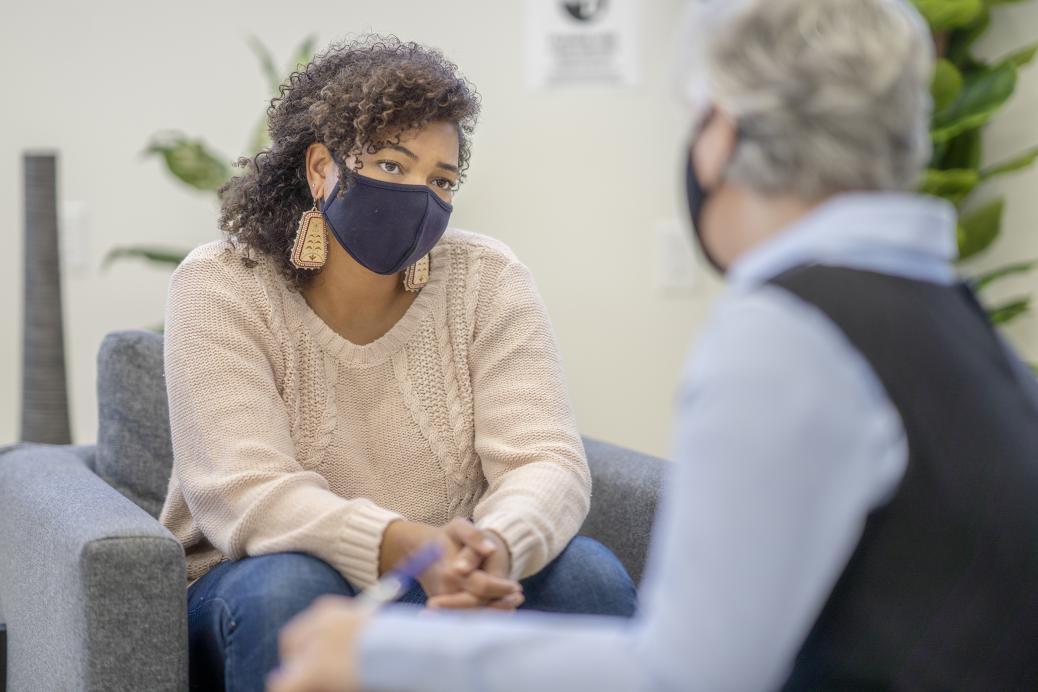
473,569
483,558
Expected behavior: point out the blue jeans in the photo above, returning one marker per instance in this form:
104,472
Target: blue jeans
236,610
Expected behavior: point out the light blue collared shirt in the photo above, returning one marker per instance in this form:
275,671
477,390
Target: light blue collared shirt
785,441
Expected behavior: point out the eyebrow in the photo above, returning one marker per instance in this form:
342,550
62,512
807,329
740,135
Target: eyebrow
404,150
407,152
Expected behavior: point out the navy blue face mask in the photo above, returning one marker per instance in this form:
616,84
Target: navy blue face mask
386,227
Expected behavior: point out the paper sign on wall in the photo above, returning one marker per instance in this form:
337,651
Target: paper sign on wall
581,42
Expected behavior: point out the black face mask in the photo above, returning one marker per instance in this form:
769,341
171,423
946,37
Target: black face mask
386,227
698,196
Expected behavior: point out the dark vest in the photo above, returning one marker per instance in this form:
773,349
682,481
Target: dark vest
941,592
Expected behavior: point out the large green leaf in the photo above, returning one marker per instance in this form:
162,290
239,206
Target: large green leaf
953,185
983,92
1007,312
191,161
978,229
155,255
962,151
947,83
949,14
1017,163
984,280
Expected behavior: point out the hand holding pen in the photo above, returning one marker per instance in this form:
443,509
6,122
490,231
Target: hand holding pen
320,643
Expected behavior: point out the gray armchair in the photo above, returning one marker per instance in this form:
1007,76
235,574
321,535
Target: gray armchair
92,587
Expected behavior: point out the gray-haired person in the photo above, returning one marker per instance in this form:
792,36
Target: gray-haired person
854,502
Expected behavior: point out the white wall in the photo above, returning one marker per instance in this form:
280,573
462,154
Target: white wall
575,181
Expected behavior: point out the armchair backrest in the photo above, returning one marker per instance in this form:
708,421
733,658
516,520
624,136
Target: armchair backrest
134,451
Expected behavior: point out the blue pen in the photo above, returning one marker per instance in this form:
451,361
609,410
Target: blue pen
399,580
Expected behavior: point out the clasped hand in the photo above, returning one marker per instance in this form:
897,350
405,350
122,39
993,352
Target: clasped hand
318,647
472,572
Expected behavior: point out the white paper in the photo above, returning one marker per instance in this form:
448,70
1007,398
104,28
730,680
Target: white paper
581,42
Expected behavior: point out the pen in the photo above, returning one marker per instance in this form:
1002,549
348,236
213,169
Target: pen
397,581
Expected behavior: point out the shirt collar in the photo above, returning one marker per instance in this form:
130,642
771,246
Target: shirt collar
889,232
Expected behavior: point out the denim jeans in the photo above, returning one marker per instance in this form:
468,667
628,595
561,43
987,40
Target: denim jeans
236,610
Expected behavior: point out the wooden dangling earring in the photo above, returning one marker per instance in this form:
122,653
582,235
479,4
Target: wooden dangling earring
310,249
417,275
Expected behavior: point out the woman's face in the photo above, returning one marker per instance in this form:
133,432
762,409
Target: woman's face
428,156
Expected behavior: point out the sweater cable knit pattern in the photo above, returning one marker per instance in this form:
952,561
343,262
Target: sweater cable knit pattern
288,437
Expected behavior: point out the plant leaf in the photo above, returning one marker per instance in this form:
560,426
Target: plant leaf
1017,163
963,151
266,62
949,14
983,92
962,39
260,138
304,54
1024,56
947,83
156,255
978,229
984,280
1007,312
191,161
953,185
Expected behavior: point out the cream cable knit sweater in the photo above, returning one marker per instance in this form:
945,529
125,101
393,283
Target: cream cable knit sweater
287,437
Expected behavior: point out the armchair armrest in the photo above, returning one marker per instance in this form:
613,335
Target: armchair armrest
93,588
625,487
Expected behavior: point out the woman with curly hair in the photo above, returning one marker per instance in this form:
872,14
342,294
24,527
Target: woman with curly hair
349,379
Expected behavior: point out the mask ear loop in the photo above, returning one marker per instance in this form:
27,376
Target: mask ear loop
704,122
701,192
347,176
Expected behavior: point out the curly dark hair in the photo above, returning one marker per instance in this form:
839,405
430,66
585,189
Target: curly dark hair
356,97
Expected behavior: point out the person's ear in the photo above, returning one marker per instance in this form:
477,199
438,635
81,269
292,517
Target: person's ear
321,171
714,148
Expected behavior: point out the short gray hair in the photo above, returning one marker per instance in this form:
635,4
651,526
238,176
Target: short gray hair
829,95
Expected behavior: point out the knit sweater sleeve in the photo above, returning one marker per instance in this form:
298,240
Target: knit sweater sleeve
525,433
234,456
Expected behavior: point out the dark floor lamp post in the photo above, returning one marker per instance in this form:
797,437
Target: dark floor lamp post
45,413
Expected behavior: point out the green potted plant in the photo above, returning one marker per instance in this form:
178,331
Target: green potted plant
196,165
968,93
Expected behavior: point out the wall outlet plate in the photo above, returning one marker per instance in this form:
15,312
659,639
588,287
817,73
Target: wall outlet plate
74,236
677,267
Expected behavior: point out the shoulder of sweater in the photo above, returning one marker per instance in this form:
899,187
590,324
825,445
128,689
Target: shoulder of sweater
492,248
221,264
220,258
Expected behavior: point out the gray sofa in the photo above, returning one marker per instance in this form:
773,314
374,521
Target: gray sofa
92,587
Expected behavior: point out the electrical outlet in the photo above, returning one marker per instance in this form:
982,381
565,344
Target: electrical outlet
74,231
677,268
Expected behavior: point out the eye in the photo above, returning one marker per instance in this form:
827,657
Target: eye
446,184
391,167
